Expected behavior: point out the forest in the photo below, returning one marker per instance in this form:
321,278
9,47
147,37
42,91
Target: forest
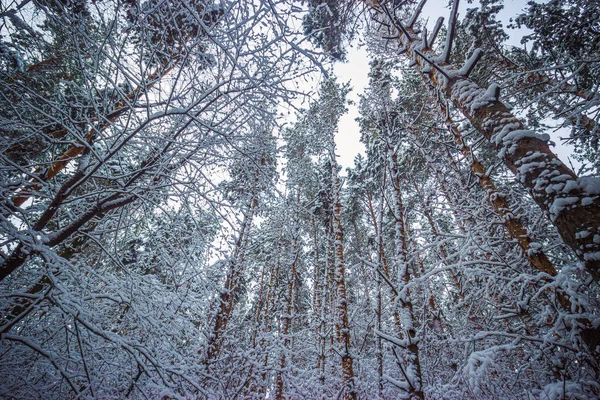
175,222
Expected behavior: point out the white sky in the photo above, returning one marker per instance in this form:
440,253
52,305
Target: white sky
348,136
356,70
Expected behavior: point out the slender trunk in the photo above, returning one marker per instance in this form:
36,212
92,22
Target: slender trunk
443,250
263,323
270,304
436,320
330,294
318,306
408,335
227,295
289,307
378,341
342,324
382,259
260,305
327,297
380,262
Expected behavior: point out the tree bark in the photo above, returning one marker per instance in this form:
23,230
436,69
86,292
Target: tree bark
227,294
289,308
537,258
572,203
342,324
409,332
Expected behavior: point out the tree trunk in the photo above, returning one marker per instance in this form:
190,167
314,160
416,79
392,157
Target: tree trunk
342,325
537,258
572,203
382,261
227,295
289,307
409,333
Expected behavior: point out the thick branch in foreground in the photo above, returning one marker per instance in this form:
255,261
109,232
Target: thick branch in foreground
22,252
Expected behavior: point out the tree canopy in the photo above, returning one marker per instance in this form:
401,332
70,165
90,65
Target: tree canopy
175,224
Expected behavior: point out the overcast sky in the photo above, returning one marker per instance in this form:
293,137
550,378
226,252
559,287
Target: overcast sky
357,68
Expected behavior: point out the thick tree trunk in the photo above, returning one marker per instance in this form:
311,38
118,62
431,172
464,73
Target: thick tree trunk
572,203
537,258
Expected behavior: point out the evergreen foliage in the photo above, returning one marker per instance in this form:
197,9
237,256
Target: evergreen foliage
174,222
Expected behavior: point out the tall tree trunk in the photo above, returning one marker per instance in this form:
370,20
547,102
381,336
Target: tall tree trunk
537,258
572,203
227,295
318,306
289,306
382,261
409,333
443,250
271,303
342,324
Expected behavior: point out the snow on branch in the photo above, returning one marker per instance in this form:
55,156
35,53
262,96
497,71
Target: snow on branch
445,57
416,14
471,62
435,31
